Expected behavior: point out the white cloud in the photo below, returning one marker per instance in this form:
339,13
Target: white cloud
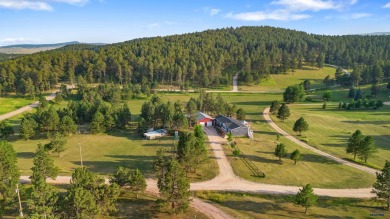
39,5
360,15
214,11
353,2
306,5
17,40
279,15
387,5
24,4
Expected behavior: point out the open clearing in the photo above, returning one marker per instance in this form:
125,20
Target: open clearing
279,82
241,205
314,169
104,153
12,102
330,129
130,149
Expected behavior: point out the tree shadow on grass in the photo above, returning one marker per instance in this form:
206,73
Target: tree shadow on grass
262,159
25,155
368,122
314,158
143,163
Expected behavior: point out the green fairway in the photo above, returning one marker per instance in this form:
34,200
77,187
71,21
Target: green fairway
330,129
240,205
104,153
279,82
11,103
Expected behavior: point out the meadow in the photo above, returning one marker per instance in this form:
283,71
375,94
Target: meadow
13,102
279,82
242,205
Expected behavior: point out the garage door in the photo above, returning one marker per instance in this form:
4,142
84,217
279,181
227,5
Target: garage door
209,123
201,123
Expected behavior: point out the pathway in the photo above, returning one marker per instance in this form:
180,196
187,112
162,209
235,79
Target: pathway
31,106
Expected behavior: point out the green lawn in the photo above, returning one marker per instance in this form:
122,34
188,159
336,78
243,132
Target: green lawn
241,205
330,129
313,169
12,102
279,82
105,152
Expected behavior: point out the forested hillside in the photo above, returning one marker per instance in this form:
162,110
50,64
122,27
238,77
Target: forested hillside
203,59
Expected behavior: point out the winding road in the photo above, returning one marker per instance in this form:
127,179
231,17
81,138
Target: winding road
315,150
25,108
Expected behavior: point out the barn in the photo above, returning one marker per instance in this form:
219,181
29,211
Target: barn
230,125
203,119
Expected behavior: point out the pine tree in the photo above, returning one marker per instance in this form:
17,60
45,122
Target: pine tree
300,126
306,197
367,148
43,196
382,185
274,107
296,156
174,187
283,112
280,151
58,143
354,143
9,176
97,124
137,182
28,128
241,114
67,126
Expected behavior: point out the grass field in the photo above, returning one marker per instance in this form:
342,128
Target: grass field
241,205
312,169
128,206
279,82
104,153
330,129
12,103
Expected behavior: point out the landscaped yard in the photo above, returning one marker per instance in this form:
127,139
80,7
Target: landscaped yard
241,205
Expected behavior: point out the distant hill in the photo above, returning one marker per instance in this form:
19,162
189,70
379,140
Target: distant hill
33,48
376,33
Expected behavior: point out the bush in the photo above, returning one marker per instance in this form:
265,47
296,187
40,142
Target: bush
236,152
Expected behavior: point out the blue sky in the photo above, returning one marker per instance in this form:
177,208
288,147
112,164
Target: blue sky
109,21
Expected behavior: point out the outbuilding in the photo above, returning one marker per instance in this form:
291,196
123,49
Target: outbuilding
231,125
203,119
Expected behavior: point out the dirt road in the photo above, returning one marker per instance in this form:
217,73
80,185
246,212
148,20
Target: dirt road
315,150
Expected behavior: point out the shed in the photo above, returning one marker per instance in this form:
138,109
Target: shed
203,119
231,125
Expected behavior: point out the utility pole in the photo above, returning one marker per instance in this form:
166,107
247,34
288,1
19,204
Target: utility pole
81,156
20,202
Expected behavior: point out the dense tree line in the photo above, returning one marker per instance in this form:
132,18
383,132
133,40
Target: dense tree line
158,114
201,59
